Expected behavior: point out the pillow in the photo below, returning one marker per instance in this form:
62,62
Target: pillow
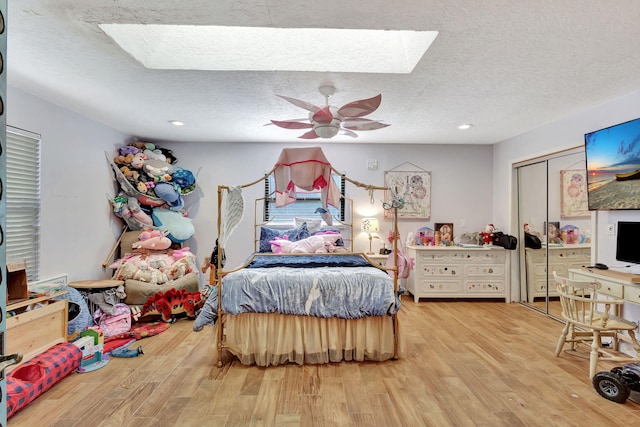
313,225
268,234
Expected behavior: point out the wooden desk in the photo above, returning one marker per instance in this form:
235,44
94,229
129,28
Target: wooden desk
619,285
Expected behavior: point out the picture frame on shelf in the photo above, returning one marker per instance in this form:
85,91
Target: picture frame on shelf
443,233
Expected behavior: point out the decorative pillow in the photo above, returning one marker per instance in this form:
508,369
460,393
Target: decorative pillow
313,225
268,234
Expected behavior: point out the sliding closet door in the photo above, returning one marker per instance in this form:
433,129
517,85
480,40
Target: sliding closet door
552,205
532,215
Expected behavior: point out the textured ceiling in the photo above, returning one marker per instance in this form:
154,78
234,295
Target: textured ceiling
506,66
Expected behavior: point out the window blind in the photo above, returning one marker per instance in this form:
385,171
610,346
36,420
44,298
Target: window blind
23,200
305,205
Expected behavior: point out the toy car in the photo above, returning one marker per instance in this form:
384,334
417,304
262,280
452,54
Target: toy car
616,385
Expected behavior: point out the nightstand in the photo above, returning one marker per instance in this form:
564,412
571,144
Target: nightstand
380,260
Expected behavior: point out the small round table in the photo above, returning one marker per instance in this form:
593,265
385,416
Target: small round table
88,287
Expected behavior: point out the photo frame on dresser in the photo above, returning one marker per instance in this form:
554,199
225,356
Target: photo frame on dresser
443,233
414,187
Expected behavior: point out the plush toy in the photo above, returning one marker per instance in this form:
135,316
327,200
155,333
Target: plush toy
138,160
171,303
159,170
487,234
128,149
320,243
152,239
131,175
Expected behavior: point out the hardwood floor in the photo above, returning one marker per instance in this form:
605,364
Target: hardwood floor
464,363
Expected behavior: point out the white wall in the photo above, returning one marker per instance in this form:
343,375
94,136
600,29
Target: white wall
461,186
562,134
79,228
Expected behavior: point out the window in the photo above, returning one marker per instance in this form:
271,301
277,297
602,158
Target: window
305,205
23,200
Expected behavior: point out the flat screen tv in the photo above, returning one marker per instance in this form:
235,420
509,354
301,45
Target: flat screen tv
627,241
613,167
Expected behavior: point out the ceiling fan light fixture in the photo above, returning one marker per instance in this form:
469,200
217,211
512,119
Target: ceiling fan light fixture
465,126
326,131
176,122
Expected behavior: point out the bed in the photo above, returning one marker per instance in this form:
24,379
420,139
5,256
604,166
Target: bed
302,308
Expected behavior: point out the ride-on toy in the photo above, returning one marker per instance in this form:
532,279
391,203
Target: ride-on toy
616,385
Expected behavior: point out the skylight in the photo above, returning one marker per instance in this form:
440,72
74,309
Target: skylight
189,47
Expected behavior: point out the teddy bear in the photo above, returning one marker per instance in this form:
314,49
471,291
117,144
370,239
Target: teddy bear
131,175
487,234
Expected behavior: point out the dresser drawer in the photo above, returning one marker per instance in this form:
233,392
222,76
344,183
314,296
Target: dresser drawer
484,270
438,257
484,286
485,257
444,270
441,287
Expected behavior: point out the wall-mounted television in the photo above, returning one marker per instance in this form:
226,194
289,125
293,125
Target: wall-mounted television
613,167
627,242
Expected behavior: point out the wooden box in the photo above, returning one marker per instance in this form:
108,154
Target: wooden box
17,288
32,332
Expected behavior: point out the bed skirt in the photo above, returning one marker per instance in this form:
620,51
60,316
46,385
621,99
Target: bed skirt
275,339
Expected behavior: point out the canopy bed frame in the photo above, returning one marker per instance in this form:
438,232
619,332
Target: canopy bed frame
266,337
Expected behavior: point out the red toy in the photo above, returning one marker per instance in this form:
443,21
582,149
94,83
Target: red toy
487,234
171,303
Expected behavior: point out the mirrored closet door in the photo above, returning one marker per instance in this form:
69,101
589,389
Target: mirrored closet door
552,205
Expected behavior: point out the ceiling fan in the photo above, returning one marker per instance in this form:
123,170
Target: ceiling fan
328,121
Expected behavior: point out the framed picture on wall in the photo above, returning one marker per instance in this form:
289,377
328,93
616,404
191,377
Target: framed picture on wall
414,187
573,194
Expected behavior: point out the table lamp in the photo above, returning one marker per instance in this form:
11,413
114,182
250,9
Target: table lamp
370,226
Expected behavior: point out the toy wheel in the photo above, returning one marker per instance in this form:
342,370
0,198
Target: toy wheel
611,386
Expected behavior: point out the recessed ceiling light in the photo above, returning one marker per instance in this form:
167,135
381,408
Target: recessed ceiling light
206,47
465,126
176,122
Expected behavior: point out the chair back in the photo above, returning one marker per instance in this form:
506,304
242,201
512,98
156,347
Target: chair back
579,301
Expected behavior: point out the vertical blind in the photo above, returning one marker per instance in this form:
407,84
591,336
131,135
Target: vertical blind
23,200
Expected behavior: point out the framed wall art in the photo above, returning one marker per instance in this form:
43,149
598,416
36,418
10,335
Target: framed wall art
414,187
573,194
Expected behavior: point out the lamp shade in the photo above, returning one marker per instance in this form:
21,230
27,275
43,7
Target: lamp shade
370,225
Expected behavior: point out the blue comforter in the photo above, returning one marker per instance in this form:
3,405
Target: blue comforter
346,286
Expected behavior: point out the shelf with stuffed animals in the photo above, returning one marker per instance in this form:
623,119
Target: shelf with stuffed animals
150,201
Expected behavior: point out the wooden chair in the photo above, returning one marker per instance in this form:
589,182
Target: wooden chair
589,319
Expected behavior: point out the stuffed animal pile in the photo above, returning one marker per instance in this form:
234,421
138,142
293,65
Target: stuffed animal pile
151,190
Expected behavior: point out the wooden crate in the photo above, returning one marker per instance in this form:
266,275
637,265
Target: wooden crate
33,332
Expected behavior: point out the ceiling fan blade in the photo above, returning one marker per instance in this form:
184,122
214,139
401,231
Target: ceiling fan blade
371,125
323,115
347,132
309,135
302,104
361,107
290,124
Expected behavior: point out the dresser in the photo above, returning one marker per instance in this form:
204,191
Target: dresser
457,272
561,260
